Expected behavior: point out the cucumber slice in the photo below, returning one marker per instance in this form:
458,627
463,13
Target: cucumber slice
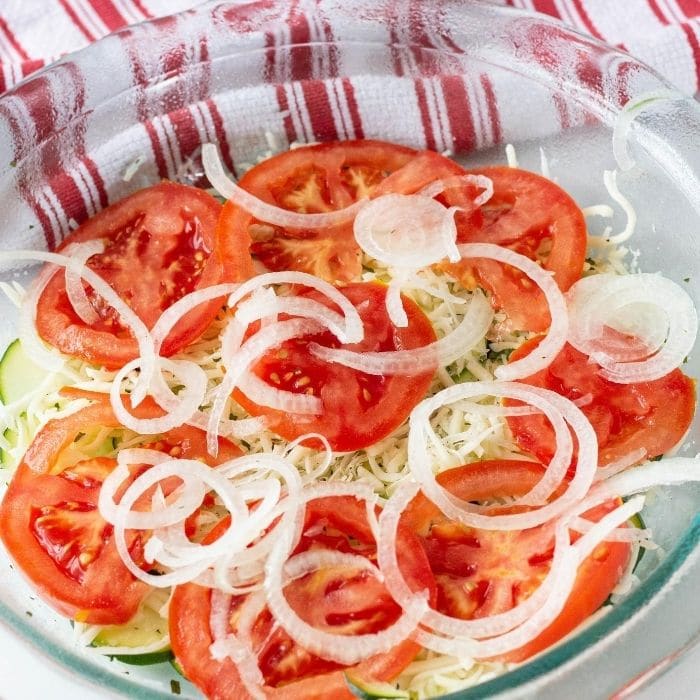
18,374
146,629
7,461
372,690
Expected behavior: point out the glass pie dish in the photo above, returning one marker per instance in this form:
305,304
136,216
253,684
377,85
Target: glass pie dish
454,76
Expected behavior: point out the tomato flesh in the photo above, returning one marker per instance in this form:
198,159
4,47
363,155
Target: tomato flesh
342,600
160,245
626,417
322,178
485,572
358,408
52,528
534,217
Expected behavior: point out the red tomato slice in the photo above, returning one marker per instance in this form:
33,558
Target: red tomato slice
323,178
50,524
342,600
485,572
359,408
532,216
650,415
160,245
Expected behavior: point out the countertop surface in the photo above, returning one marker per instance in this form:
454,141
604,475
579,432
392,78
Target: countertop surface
25,674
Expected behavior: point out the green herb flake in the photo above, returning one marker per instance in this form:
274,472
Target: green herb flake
175,687
686,279
13,163
28,613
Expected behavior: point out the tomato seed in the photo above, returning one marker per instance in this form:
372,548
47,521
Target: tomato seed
275,377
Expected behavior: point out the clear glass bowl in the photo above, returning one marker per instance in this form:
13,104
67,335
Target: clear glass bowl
450,75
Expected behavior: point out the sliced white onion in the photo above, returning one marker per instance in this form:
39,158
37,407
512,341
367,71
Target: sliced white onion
610,180
624,462
75,291
226,187
347,650
669,472
38,352
394,303
557,409
555,339
625,119
602,529
127,317
444,624
466,335
254,348
203,556
263,394
481,181
235,647
622,534
319,471
313,559
406,231
188,499
601,300
180,408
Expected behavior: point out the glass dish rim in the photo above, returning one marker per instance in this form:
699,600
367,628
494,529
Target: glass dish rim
538,668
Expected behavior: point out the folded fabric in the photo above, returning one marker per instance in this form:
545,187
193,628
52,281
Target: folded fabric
662,33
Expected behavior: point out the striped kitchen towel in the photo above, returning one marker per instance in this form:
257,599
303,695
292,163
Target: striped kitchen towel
78,173
662,33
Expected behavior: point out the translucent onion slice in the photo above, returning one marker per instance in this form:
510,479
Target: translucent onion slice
669,472
559,411
625,119
335,647
126,315
75,291
189,471
573,556
229,645
406,231
188,499
253,349
226,187
38,352
444,624
470,331
263,394
481,181
394,303
624,462
301,564
179,408
601,300
555,339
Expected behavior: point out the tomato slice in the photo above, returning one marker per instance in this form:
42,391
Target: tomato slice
340,599
532,216
486,572
159,246
626,417
323,178
50,524
358,409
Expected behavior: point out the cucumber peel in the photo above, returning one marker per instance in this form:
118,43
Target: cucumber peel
146,628
373,690
18,374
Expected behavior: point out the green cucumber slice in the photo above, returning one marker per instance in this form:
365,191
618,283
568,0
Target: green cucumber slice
372,690
145,629
18,374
